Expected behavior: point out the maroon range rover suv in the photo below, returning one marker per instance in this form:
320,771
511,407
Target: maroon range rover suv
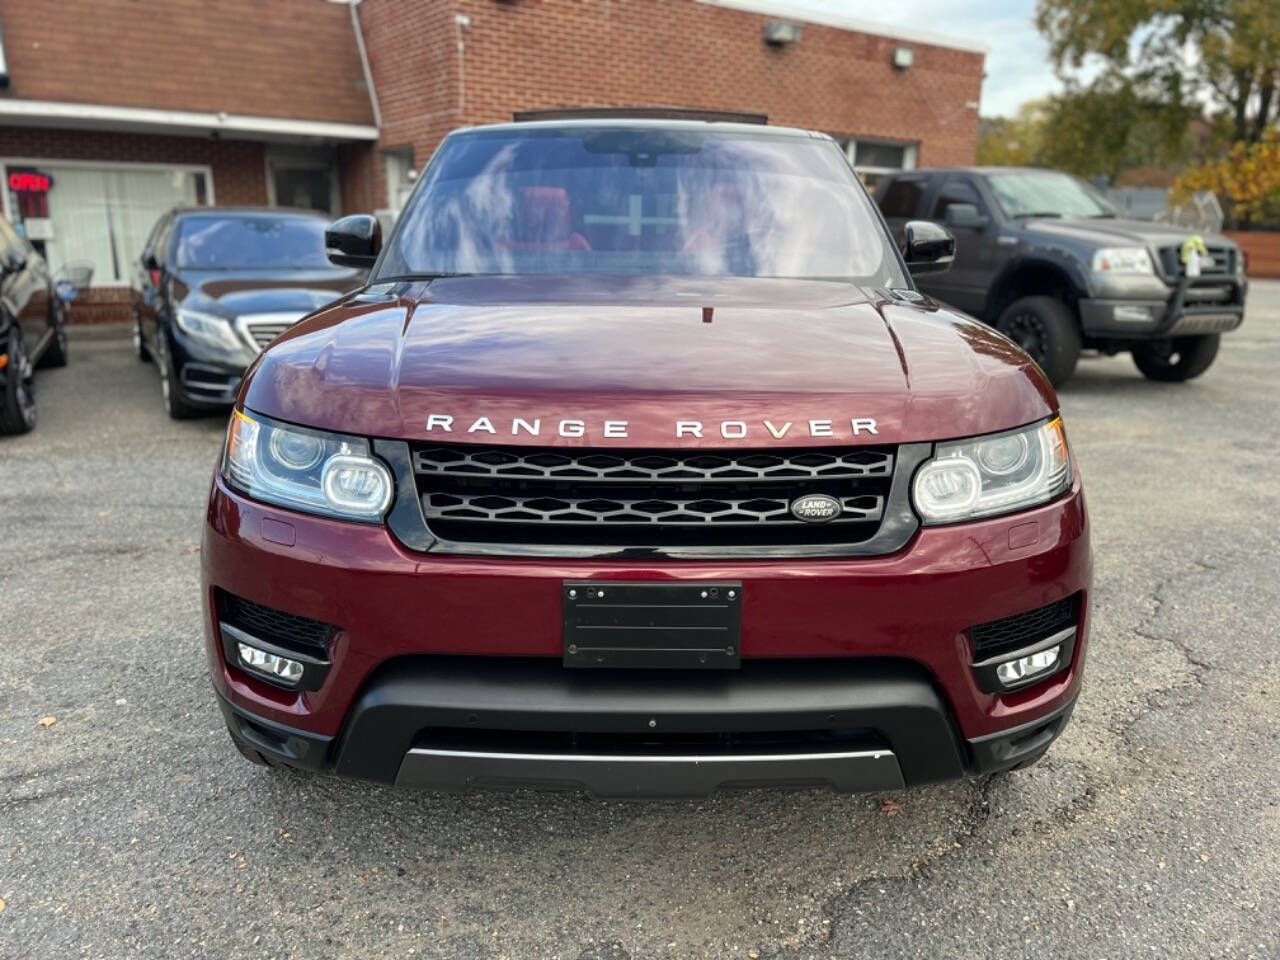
640,465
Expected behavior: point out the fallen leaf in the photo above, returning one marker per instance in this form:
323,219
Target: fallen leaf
891,807
191,549
1,906
48,721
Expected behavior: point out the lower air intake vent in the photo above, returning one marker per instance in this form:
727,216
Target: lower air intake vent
1024,629
286,630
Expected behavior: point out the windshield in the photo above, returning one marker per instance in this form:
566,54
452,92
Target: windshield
250,242
1033,193
640,200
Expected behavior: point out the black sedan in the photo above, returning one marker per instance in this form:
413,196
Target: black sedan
33,328
214,286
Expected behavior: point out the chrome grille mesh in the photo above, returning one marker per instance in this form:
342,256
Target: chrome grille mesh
696,497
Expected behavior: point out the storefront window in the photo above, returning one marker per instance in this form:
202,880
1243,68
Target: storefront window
98,214
872,159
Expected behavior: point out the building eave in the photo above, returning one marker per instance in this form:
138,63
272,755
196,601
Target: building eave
93,116
788,11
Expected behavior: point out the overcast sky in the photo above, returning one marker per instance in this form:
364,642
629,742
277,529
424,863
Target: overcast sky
1018,59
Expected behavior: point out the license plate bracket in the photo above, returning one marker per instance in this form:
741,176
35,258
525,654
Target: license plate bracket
652,625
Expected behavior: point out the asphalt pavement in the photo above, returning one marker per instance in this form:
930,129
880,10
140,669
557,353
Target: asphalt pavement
130,827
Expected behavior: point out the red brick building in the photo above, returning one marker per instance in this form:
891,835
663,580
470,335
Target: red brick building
124,108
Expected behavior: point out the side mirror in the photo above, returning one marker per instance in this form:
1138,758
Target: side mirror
149,261
928,247
354,241
964,215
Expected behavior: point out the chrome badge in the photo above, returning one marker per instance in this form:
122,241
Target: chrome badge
816,508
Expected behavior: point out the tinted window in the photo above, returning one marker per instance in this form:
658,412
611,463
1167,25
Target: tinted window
640,200
246,242
955,191
902,198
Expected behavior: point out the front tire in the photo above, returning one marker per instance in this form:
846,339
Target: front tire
56,354
1178,359
1046,329
18,404
139,344
171,393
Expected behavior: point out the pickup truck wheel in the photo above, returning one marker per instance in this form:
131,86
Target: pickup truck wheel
1046,329
18,402
1181,358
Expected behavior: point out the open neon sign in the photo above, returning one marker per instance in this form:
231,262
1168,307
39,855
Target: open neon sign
30,182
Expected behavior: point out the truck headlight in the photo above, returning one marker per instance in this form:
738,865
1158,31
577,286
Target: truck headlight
326,473
1114,260
1001,473
209,328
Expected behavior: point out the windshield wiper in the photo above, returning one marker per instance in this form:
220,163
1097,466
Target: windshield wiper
1103,216
1037,213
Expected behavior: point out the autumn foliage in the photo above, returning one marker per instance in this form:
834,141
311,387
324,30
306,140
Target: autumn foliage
1246,179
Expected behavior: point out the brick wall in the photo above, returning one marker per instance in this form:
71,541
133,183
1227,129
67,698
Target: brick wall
239,166
283,58
557,53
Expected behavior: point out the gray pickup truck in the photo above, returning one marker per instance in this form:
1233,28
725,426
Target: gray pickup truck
1044,258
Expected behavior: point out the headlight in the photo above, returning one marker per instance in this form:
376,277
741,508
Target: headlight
1122,260
996,474
205,326
325,473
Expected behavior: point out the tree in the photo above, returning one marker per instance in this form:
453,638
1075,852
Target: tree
1100,130
1224,51
1246,180
1013,141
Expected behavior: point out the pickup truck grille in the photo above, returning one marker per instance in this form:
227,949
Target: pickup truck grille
518,495
1224,262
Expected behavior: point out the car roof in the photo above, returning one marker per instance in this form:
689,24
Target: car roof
717,126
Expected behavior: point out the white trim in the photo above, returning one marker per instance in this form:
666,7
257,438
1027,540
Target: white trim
778,8
146,120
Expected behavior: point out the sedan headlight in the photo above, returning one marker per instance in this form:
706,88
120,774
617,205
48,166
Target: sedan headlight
326,473
1114,260
1001,473
209,328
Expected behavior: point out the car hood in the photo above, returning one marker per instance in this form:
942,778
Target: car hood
232,293
1113,233
793,362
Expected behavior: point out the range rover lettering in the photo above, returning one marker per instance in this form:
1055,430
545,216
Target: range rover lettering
640,466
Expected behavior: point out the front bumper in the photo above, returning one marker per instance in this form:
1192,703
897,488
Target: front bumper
447,670
1191,307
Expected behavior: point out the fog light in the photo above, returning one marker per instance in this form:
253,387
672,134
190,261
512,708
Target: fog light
259,661
1125,314
1014,672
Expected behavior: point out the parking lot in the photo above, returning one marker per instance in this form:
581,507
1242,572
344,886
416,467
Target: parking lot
130,827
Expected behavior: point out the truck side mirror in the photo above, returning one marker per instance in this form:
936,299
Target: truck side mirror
149,261
353,241
965,215
928,248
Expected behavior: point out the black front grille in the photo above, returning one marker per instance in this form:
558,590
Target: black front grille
1023,629
1224,262
286,630
644,498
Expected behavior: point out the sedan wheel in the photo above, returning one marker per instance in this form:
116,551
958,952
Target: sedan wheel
18,405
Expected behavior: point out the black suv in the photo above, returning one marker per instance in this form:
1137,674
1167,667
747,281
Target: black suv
33,328
214,285
1044,258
